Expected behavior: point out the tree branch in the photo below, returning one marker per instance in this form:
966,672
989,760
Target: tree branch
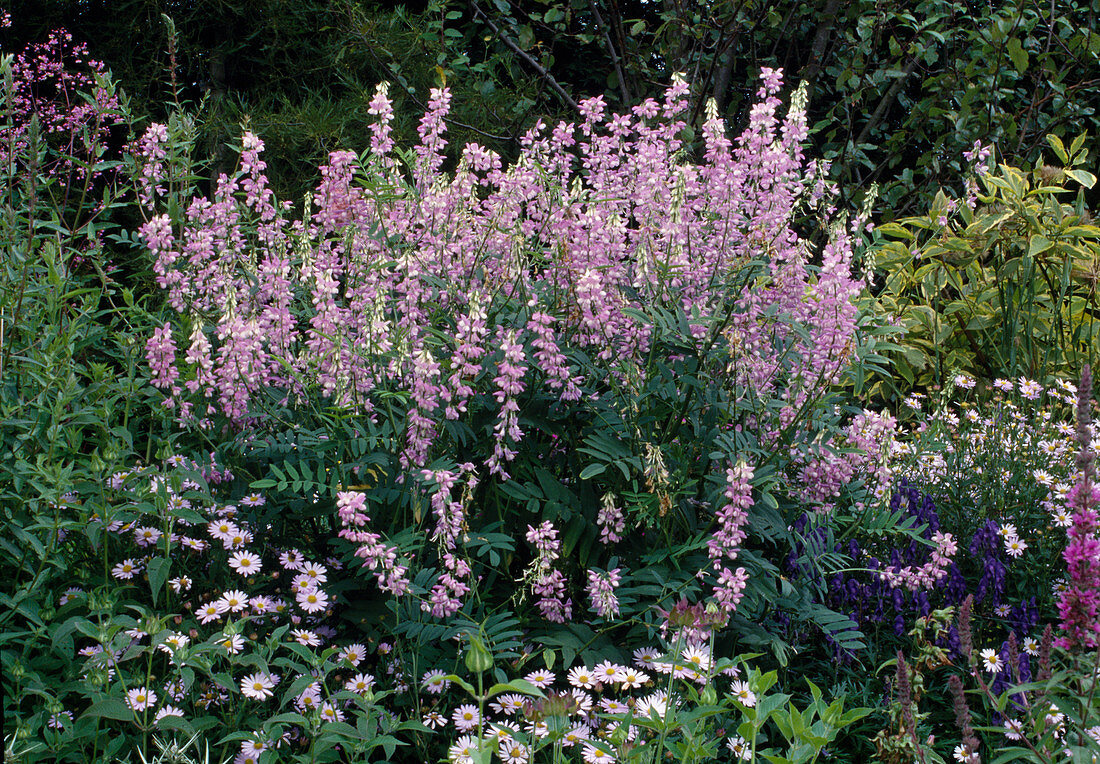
549,78
887,100
611,51
821,41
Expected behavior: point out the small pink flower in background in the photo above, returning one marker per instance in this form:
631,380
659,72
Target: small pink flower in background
141,698
435,682
60,720
168,710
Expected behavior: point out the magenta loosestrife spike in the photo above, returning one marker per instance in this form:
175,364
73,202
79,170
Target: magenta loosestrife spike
1079,604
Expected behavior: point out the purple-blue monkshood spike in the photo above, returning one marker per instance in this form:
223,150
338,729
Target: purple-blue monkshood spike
1024,617
854,551
899,607
954,590
924,607
952,644
986,540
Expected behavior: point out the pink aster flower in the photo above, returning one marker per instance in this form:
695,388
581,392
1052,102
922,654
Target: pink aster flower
353,654
541,679
258,686
168,710
359,683
466,717
305,637
212,611
234,600
126,569
312,600
245,563
292,559
141,698
330,713
435,682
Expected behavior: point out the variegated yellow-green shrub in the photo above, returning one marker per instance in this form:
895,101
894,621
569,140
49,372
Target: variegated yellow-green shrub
1001,282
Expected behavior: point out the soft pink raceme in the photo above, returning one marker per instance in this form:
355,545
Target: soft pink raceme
464,291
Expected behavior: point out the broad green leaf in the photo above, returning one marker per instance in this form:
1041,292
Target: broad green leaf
1086,179
1019,57
110,708
159,570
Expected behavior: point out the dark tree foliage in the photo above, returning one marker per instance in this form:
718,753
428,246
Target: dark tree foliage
898,90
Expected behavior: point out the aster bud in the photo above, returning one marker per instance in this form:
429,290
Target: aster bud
478,658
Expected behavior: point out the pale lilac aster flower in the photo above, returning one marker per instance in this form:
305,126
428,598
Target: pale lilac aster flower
581,677
234,600
126,569
141,698
435,682
257,686
541,679
465,717
312,600
245,563
168,710
359,683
